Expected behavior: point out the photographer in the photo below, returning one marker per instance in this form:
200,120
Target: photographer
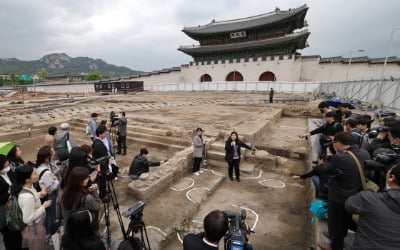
328,130
121,140
216,226
378,227
345,181
141,164
100,151
323,108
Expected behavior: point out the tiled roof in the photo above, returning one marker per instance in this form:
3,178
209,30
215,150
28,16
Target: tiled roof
246,23
252,44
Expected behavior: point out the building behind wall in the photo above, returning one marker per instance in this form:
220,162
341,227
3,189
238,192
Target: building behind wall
263,48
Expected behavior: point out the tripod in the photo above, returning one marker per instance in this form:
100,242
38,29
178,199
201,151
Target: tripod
135,225
108,195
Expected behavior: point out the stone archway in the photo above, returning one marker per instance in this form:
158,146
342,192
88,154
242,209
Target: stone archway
267,76
234,76
205,78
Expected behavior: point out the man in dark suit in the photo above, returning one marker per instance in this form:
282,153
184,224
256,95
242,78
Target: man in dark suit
345,180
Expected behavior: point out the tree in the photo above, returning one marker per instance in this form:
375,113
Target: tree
42,74
93,76
13,78
1,81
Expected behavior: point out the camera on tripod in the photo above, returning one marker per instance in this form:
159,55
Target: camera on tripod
236,237
135,212
113,119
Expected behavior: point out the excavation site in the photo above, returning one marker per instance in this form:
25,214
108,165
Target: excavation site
176,200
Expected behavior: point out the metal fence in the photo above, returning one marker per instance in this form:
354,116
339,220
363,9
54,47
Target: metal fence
286,87
386,92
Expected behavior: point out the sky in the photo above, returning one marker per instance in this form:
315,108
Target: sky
145,34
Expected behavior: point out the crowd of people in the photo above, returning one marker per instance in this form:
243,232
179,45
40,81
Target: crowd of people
358,173
63,189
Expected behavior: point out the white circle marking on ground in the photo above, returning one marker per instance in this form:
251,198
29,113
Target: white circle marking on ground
158,229
188,192
280,184
179,237
253,212
181,189
253,177
214,172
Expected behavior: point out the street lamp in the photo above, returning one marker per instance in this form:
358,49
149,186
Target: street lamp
351,57
379,90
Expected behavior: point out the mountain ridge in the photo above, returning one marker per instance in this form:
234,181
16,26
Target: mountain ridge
61,63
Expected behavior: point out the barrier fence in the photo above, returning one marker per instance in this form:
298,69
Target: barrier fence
386,92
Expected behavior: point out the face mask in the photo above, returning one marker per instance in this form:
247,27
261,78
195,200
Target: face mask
5,170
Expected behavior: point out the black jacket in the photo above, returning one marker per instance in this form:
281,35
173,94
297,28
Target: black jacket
229,149
141,165
4,195
99,149
320,171
378,143
195,242
345,178
328,129
378,227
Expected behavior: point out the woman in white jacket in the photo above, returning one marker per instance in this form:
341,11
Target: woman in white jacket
33,211
48,181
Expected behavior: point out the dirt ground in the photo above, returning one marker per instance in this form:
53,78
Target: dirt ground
276,206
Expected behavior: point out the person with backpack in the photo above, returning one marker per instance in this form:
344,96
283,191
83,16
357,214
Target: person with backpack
12,239
32,210
64,142
48,181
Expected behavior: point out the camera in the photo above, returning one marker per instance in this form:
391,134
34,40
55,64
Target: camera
113,118
236,237
375,131
383,161
136,211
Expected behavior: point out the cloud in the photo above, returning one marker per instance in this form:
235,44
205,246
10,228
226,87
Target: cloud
145,34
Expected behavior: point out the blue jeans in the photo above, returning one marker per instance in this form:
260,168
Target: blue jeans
318,192
50,219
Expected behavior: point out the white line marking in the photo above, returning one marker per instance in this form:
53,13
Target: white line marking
158,229
179,237
252,211
214,172
188,192
191,185
253,177
281,184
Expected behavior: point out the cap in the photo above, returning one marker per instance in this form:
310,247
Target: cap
64,125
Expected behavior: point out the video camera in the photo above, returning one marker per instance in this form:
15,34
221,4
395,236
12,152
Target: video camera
236,237
382,161
136,211
113,118
375,131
